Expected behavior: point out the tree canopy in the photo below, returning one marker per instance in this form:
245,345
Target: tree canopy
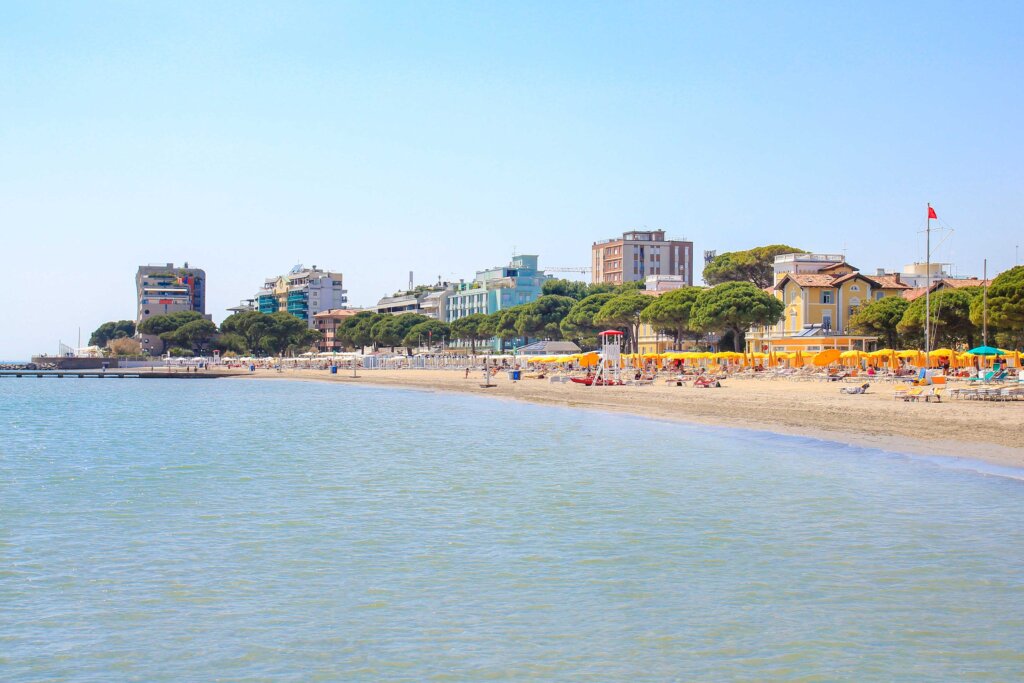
670,313
752,265
108,331
391,330
882,318
622,311
428,332
578,324
192,335
950,313
734,307
356,332
487,328
573,289
1005,307
272,333
507,322
161,324
541,318
468,329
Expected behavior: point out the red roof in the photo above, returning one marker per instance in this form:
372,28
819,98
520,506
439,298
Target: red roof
889,281
945,283
614,333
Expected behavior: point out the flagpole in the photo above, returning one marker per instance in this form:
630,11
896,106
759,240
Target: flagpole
984,305
927,291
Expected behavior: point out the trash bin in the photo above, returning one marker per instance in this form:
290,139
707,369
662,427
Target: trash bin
517,375
334,369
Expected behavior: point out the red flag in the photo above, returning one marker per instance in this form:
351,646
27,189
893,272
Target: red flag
931,213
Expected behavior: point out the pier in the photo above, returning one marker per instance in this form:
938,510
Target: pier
115,374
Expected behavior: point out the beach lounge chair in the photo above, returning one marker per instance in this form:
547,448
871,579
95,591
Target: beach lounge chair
862,389
913,393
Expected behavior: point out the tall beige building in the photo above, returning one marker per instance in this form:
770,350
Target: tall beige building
639,253
166,289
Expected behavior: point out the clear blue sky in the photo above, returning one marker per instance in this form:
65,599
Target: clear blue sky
378,138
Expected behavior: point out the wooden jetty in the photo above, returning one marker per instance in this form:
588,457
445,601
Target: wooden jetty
117,374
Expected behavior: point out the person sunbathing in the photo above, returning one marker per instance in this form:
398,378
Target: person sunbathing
706,382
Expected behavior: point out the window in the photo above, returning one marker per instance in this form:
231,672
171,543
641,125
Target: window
854,288
826,296
879,295
826,321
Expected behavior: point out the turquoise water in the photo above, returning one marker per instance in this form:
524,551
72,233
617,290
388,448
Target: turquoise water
287,531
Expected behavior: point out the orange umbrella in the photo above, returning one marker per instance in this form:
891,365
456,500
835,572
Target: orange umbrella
826,357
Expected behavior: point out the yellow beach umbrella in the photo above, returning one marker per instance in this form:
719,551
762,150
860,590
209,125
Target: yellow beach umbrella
826,357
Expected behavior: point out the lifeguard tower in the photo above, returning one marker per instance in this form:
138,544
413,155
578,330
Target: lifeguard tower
609,367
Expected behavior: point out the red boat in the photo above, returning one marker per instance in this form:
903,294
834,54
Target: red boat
589,381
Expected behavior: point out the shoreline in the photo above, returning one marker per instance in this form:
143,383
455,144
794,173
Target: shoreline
970,430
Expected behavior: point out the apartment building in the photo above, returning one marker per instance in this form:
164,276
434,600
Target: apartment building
303,292
431,301
327,323
639,253
165,289
498,288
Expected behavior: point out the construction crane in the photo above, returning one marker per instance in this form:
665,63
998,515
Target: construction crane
568,269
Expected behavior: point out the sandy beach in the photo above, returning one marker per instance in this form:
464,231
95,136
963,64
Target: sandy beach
987,431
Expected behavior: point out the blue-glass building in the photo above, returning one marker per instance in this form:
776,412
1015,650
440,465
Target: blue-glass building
498,288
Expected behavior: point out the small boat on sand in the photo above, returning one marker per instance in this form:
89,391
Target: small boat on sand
599,382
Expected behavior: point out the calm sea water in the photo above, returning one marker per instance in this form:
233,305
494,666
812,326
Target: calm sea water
287,531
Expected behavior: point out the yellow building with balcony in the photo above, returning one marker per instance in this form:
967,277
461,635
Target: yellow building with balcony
821,293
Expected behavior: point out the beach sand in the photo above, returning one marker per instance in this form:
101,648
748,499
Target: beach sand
989,431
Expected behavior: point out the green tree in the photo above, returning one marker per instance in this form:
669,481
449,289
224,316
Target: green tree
623,311
950,314
734,307
230,343
670,313
578,324
284,332
108,331
193,335
249,326
357,332
467,328
755,265
574,289
428,332
391,330
508,321
1005,308
541,318
882,318
161,324
488,327
601,288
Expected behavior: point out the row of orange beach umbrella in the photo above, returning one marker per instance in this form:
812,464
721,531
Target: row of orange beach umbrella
891,358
